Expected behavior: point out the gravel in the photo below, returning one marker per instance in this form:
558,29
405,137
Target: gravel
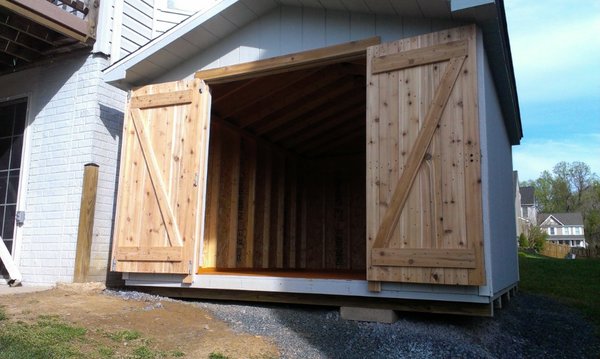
529,327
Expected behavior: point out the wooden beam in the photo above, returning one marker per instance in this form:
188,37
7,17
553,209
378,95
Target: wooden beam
22,39
432,118
150,254
434,258
162,99
50,16
418,57
316,129
13,49
301,60
334,143
29,27
319,116
288,106
255,91
325,85
298,109
353,124
85,229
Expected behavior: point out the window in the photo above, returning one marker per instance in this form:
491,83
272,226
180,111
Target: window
12,118
577,230
566,230
552,231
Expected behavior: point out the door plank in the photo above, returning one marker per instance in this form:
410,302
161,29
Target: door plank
417,154
157,182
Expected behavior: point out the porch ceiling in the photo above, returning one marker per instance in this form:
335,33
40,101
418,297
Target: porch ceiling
34,31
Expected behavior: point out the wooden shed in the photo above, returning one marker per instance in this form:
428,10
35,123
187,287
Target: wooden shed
345,152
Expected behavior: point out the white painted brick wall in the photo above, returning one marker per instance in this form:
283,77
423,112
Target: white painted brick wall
76,119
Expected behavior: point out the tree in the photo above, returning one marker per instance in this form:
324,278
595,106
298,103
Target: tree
537,238
571,187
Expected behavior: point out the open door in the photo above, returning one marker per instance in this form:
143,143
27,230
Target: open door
424,210
160,206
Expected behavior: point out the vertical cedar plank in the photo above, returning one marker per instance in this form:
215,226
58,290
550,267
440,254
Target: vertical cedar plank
472,151
329,225
176,137
372,190
446,193
228,199
212,198
268,164
302,216
250,150
280,203
291,212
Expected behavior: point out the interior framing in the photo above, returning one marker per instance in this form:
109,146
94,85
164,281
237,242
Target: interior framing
322,85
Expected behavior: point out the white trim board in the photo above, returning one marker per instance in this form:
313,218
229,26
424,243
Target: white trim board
320,286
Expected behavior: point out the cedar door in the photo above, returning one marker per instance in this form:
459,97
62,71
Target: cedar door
160,204
424,211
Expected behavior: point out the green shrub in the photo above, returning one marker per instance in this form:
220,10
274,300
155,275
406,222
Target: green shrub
537,238
523,242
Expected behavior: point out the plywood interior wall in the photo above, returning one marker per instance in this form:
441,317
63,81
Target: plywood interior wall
286,178
267,209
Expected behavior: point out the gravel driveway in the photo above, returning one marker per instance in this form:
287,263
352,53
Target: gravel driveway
529,327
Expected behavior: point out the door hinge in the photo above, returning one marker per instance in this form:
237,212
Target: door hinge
114,264
190,267
20,218
196,179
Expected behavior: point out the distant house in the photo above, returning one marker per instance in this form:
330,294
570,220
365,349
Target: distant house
528,209
525,210
563,228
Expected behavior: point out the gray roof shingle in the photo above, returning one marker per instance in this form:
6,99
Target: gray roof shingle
527,195
567,219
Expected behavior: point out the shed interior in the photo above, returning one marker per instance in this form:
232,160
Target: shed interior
286,174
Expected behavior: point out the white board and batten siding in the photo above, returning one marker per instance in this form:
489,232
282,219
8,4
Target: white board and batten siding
498,198
286,30
136,22
166,18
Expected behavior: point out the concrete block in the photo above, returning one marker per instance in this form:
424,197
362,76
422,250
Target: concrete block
368,314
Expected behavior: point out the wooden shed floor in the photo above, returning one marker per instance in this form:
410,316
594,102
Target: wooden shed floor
352,275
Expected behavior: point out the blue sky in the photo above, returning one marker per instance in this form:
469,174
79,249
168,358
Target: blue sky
556,54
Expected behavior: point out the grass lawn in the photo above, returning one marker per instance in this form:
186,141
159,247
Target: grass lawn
49,338
573,282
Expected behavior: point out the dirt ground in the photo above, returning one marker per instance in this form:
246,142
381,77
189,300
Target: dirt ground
168,326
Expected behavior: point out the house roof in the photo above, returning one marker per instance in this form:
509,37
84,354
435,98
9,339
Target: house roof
565,219
527,195
204,29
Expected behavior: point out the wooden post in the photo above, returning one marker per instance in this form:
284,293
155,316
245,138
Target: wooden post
86,223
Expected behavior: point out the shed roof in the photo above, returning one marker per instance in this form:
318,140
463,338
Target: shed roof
566,219
206,28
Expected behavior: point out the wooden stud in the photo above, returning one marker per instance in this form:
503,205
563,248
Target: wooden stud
302,60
